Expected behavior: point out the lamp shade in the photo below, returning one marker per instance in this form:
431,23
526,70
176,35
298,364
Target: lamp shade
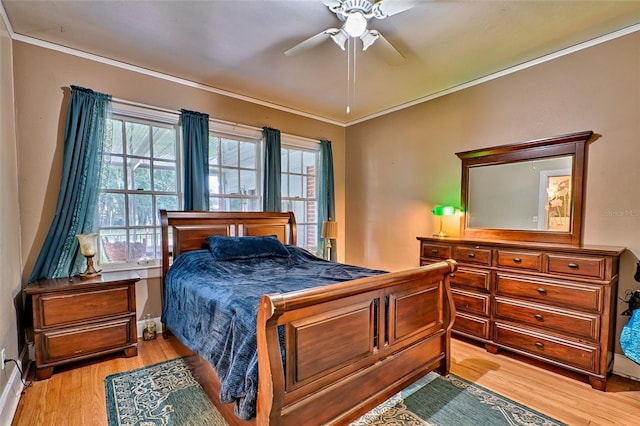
444,211
88,244
329,230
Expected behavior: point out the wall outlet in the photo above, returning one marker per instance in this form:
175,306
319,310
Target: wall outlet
2,357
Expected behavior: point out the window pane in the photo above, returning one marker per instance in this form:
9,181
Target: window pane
112,172
214,143
295,186
164,143
284,186
309,162
215,203
140,243
295,159
230,183
284,160
114,245
165,202
138,139
140,210
247,182
229,152
248,155
164,177
116,141
139,174
111,210
299,211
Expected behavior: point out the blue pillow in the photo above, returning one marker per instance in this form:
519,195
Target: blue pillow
229,248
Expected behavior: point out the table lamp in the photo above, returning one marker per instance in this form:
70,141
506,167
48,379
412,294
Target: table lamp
441,211
88,248
329,232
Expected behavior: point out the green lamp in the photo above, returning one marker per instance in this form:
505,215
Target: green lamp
441,211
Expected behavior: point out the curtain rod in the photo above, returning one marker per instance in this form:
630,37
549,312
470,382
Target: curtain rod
175,113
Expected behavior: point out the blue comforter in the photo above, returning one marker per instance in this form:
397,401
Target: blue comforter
211,306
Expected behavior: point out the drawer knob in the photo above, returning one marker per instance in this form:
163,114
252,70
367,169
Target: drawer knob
452,275
538,317
517,260
471,255
435,251
539,345
573,265
542,291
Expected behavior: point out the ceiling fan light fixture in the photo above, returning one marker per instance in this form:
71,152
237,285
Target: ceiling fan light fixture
340,38
356,24
368,37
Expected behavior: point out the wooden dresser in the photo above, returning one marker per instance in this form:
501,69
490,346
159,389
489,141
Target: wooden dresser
75,318
552,302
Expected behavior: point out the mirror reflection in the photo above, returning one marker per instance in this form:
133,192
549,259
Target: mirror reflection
526,195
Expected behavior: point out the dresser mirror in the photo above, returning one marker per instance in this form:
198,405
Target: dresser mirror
530,191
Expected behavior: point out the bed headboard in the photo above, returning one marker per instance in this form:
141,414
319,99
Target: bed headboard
189,229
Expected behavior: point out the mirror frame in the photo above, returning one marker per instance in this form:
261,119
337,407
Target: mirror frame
574,144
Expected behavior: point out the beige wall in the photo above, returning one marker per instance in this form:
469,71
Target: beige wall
402,164
10,288
42,79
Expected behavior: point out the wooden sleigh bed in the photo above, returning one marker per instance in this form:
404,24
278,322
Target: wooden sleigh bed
348,346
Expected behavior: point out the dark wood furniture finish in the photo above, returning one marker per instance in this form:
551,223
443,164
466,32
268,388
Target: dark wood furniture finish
552,302
574,145
75,319
337,367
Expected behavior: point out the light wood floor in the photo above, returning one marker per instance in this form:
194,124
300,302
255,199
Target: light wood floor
75,395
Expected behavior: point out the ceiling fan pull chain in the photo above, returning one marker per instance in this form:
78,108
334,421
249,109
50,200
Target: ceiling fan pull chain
348,75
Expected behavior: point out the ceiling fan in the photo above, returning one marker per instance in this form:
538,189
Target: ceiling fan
356,15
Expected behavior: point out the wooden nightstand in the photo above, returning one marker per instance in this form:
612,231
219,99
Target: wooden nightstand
75,319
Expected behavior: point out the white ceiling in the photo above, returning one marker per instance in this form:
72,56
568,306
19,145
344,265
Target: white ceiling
238,46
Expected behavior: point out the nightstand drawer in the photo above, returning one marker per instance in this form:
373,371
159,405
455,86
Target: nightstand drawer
564,321
64,307
574,295
548,347
576,266
77,342
471,278
438,251
520,259
473,255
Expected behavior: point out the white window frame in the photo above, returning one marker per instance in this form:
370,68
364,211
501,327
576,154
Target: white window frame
146,115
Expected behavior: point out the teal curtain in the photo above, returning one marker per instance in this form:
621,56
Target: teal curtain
84,138
195,149
326,197
271,200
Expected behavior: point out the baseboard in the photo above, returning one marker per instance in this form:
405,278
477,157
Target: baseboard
11,393
140,326
623,366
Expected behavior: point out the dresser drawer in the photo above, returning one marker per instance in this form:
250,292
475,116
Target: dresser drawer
62,308
438,251
527,260
573,295
564,321
73,342
472,325
548,347
480,280
592,267
480,256
471,302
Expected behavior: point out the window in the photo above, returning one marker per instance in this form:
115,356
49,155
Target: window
299,191
234,179
139,177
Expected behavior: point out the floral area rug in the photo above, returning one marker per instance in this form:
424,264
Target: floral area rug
167,394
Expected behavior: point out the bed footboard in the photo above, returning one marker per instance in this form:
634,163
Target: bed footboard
350,346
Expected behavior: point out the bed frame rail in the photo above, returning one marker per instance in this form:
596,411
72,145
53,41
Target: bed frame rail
350,346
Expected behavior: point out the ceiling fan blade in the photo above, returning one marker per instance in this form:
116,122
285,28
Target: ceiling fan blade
385,8
390,53
331,3
312,42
